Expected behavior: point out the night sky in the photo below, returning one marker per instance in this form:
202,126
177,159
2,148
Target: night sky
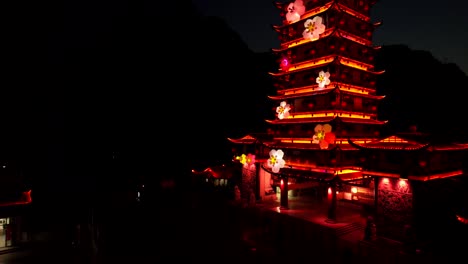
435,26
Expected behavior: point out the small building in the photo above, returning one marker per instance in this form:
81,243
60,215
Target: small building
15,201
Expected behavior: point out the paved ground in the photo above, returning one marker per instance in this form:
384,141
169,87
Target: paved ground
210,230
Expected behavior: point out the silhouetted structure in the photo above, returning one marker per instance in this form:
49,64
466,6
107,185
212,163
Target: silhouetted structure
15,203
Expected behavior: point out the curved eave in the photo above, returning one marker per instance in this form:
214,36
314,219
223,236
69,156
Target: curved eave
312,12
289,96
321,92
353,13
376,97
388,146
248,139
216,172
298,42
361,121
377,47
332,58
377,24
453,147
302,120
296,173
306,146
326,119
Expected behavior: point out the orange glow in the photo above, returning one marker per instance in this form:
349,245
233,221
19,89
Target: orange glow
308,64
356,64
355,38
385,181
354,190
330,114
437,176
355,88
338,141
394,139
314,11
353,13
325,60
308,89
342,86
301,41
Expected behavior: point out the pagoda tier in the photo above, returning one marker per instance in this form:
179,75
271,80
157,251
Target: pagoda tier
335,15
325,87
342,127
345,71
361,7
351,47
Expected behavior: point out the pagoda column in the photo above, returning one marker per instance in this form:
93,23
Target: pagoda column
284,193
331,216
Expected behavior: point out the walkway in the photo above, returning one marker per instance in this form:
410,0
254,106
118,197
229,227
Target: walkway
303,231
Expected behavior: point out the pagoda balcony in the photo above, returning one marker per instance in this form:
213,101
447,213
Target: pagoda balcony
333,18
332,107
342,70
332,44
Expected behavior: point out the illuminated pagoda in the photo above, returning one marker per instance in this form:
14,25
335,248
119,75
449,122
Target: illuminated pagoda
326,93
325,138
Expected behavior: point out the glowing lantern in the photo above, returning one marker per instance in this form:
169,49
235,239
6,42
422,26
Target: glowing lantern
276,162
313,28
323,136
283,110
295,10
323,79
285,65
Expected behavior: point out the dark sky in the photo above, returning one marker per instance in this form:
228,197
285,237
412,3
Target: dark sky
439,27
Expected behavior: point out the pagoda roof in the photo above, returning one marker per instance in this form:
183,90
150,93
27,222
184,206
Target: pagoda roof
317,173
324,119
353,13
309,13
247,139
316,91
324,61
390,143
217,172
306,146
330,32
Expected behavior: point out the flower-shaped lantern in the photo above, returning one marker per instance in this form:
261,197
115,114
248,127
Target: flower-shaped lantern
313,28
283,110
323,79
295,10
323,136
276,161
247,160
